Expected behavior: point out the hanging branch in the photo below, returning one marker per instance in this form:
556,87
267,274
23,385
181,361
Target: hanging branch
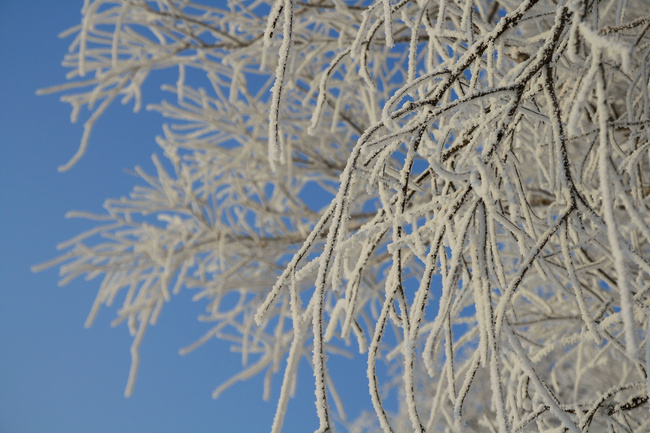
467,195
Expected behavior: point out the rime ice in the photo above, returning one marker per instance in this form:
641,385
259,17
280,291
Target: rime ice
328,164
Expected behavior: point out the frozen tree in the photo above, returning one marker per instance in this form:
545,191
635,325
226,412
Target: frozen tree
500,147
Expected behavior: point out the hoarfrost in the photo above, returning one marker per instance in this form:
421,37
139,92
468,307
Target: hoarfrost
499,146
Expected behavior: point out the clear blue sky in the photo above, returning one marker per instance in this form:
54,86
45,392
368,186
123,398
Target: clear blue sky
56,376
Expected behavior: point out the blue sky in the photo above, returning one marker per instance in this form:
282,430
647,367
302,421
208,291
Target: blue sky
56,376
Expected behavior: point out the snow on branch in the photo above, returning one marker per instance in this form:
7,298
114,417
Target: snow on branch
466,193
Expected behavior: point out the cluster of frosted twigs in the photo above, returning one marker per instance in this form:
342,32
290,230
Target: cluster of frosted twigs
461,187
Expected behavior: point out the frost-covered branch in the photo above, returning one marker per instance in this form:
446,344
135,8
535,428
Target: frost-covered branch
461,186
